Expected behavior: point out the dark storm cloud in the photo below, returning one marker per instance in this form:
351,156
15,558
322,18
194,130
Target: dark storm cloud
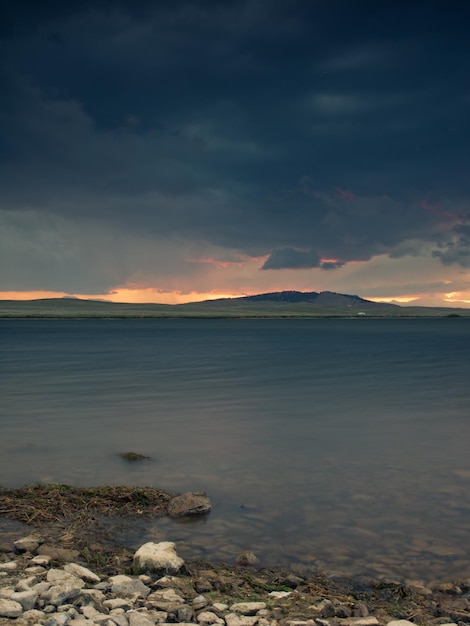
290,258
304,131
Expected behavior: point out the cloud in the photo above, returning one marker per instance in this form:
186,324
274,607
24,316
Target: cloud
216,130
290,258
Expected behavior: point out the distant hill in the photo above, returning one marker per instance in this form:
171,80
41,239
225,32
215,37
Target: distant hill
321,299
279,304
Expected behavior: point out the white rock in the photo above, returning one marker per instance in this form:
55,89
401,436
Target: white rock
41,559
10,608
27,599
153,557
234,619
9,566
120,619
26,583
58,619
81,572
89,611
247,608
139,619
208,617
27,544
34,569
126,587
220,606
96,594
400,622
59,594
32,617
117,603
166,595
6,592
55,576
42,587
361,621
279,594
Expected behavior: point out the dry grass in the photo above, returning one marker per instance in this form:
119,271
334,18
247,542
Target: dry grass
54,503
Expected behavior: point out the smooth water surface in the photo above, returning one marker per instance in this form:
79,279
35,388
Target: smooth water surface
338,445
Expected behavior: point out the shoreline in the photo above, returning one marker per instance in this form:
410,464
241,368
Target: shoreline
281,598
75,536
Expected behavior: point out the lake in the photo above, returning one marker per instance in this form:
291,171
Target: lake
325,445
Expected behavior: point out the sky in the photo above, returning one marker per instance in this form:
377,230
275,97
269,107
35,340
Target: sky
175,151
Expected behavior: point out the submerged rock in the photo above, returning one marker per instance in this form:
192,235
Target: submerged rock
246,558
190,503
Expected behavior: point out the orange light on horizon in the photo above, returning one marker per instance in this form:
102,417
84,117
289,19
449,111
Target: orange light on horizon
403,299
32,295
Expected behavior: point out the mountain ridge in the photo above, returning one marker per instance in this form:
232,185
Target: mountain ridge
322,298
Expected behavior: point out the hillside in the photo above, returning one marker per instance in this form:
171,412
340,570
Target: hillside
322,299
283,304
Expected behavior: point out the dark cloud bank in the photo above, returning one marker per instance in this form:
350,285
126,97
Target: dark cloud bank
315,132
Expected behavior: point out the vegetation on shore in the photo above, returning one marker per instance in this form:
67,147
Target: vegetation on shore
79,507
69,308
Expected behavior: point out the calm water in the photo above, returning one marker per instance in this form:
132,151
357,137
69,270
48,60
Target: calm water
325,445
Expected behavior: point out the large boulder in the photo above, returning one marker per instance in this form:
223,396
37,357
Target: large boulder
190,503
157,557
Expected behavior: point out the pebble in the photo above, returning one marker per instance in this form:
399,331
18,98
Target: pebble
74,595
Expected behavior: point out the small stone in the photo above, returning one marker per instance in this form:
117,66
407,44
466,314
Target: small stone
35,570
10,608
234,619
27,599
202,585
361,621
279,594
58,554
125,586
400,622
26,583
184,614
58,619
419,589
208,617
247,608
199,602
58,594
359,610
220,606
449,588
292,581
9,566
166,595
147,580
120,619
139,619
32,617
81,572
27,544
246,558
325,608
6,547
117,603
55,576
154,557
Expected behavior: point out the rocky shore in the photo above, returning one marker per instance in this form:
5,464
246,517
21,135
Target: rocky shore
41,583
67,571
